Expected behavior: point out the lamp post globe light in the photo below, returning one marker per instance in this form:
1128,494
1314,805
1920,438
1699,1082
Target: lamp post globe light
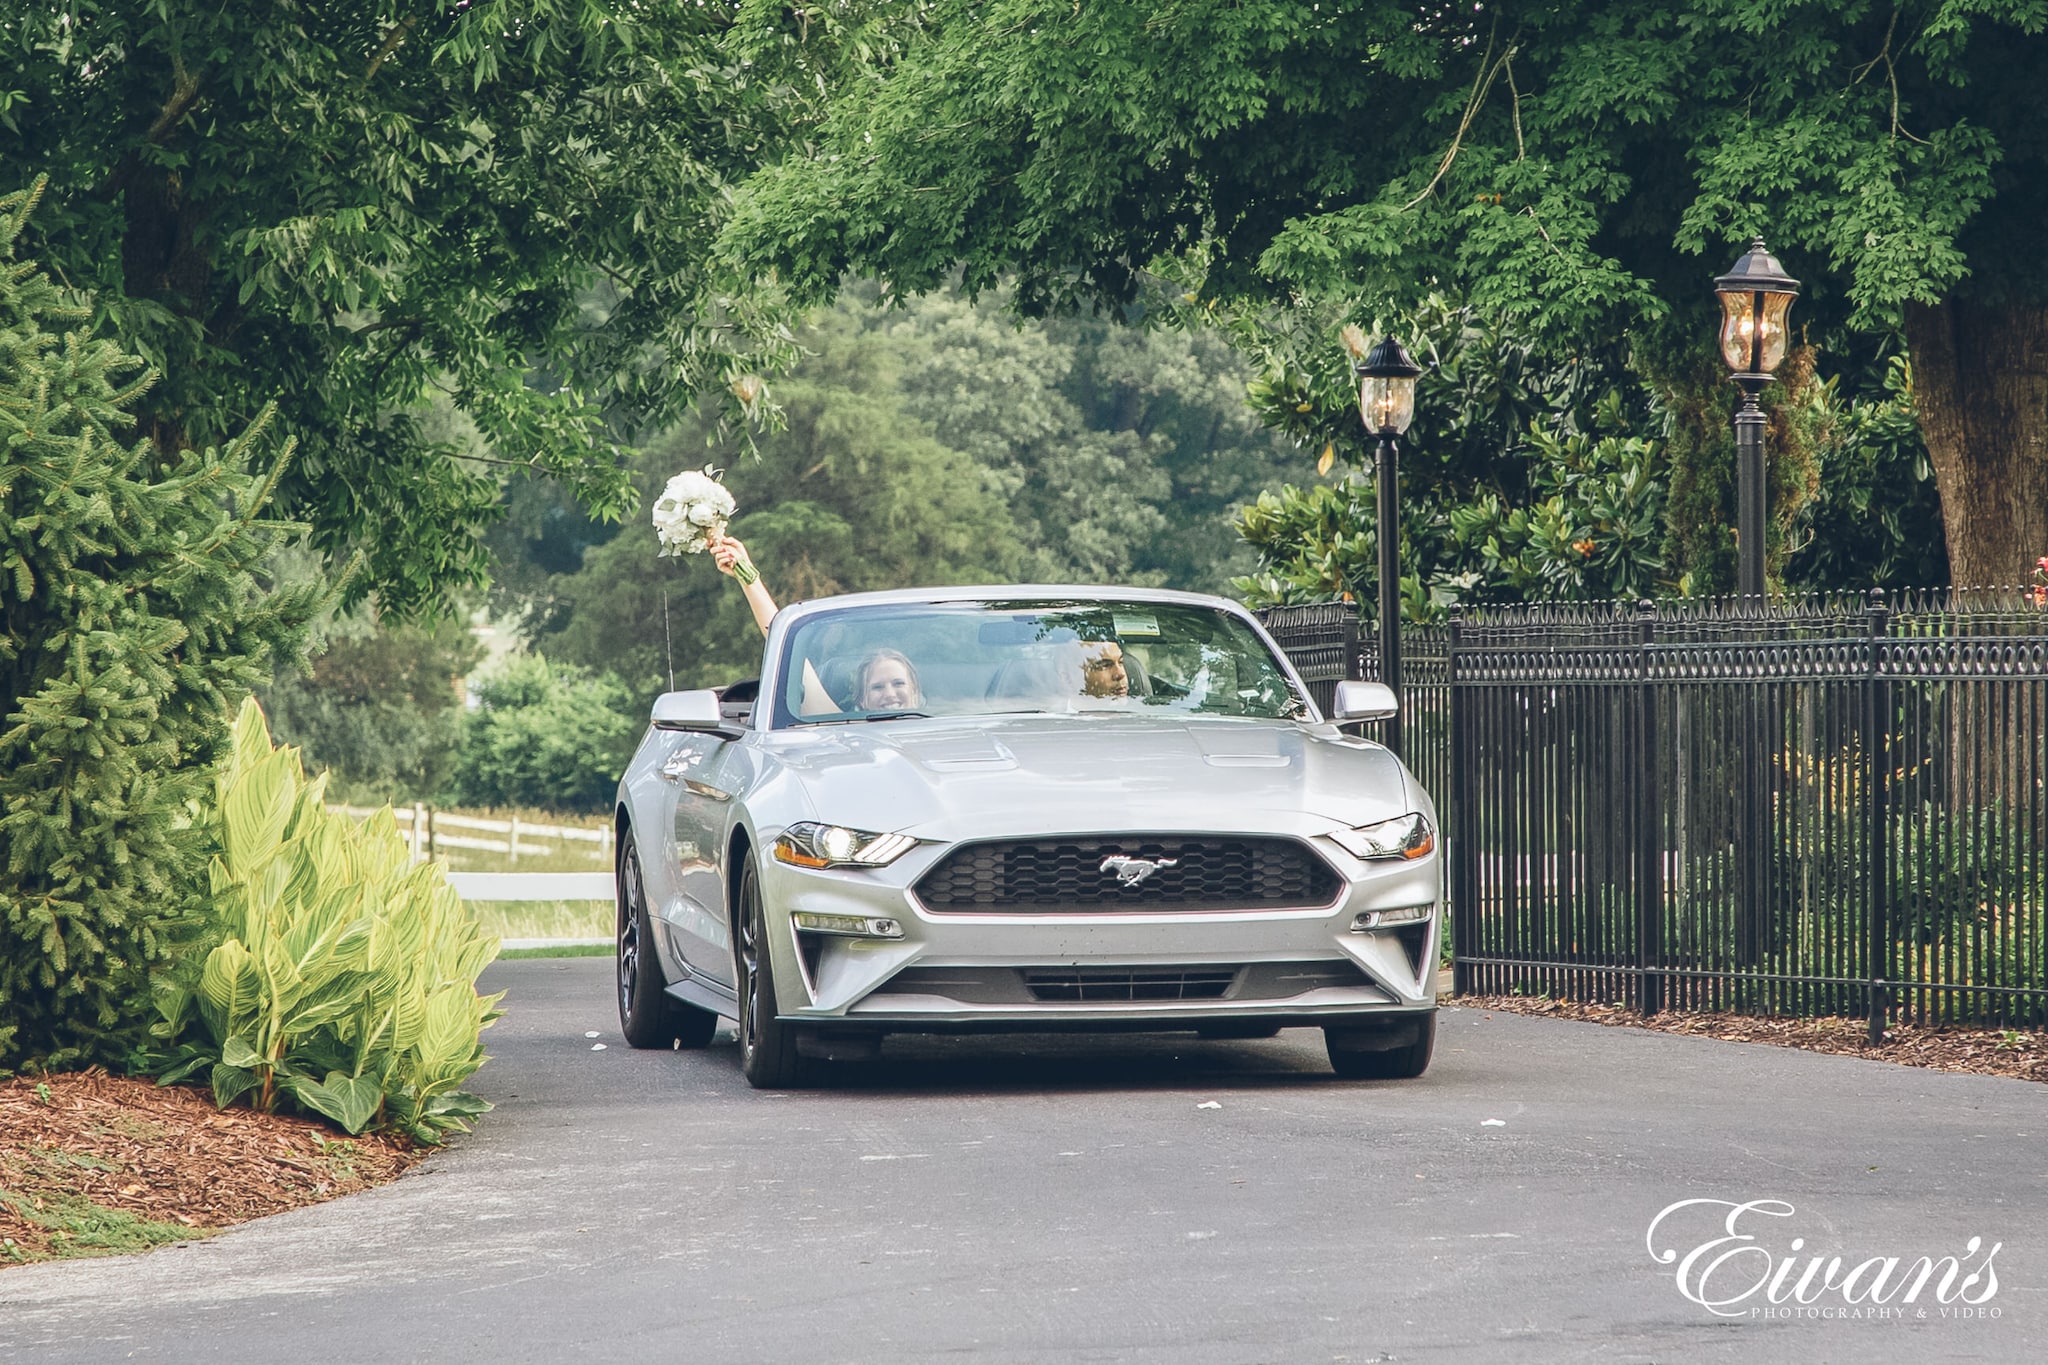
1756,298
1386,402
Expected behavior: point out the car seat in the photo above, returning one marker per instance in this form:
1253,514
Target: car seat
1025,677
837,673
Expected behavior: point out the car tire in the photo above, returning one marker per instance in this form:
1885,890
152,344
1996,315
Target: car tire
648,1015
1362,1055
768,1052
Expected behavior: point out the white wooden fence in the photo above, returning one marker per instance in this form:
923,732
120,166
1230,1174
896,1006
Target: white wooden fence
422,828
533,886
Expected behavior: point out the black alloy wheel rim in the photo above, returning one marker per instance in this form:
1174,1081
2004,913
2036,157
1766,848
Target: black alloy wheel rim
750,965
629,934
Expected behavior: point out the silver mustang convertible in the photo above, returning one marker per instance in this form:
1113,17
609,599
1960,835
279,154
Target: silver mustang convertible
1023,808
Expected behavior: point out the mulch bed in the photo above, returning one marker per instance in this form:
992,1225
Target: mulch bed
2018,1054
161,1155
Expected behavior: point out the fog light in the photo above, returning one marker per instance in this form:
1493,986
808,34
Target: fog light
853,926
1367,920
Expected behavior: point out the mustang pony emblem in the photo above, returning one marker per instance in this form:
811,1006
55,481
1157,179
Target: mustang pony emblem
1132,871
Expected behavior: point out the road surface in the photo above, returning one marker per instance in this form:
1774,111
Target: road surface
1113,1199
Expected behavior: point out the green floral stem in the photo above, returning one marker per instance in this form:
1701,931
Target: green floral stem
745,573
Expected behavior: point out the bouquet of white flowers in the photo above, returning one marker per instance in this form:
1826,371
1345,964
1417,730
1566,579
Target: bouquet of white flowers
691,509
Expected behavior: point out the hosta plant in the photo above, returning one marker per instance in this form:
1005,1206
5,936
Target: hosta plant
335,975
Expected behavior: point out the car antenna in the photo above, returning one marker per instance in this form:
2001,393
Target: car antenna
668,643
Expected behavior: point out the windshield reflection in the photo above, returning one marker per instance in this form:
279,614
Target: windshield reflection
919,660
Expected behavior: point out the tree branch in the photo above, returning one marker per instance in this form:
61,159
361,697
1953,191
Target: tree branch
184,93
1481,84
1531,211
1891,71
1508,65
533,464
392,40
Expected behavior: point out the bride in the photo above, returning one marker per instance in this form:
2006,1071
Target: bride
885,680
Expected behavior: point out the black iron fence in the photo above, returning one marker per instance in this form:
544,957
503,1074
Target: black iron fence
1830,807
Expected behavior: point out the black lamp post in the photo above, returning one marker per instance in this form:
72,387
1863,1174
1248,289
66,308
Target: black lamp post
1386,400
1756,295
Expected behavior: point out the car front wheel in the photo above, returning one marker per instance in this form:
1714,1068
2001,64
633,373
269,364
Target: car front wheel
1386,1052
768,1053
648,1015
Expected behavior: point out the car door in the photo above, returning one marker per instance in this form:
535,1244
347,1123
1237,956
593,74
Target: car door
703,775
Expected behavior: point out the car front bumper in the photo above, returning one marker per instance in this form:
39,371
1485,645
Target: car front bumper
1096,970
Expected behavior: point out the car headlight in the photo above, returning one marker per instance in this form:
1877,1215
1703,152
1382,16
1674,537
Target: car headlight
811,844
1405,836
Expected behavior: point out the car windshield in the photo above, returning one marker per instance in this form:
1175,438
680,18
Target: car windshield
983,658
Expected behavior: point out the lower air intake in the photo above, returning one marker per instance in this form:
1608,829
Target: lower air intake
1067,986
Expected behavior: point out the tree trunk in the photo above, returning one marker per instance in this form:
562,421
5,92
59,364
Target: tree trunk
163,261
1980,384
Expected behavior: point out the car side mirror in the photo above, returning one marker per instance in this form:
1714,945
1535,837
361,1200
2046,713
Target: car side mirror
1358,700
687,711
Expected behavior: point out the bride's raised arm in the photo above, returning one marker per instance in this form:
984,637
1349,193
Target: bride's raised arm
732,559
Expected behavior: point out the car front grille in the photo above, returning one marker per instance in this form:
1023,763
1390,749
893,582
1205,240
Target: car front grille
1100,984
1197,872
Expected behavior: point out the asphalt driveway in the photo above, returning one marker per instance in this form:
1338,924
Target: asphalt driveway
1141,1198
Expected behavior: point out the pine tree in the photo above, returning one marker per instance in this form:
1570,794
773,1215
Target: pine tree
131,621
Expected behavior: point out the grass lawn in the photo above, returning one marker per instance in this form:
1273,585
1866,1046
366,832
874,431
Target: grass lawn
545,919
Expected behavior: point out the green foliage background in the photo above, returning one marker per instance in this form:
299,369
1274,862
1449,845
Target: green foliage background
379,705
351,207
132,616
548,735
937,442
1574,174
1559,165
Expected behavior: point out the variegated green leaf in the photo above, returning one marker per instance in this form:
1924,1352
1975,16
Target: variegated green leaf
351,1101
230,1083
254,811
230,982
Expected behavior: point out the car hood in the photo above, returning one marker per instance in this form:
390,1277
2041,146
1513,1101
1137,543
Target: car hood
1048,773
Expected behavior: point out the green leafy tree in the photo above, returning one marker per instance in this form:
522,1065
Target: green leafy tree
1087,502
359,204
1524,477
855,494
1579,170
1505,433
544,735
1586,523
1183,389
377,707
1119,450
1876,520
131,620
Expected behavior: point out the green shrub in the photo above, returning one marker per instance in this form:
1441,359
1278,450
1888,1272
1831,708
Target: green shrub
378,708
1970,895
548,735
337,974
131,620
